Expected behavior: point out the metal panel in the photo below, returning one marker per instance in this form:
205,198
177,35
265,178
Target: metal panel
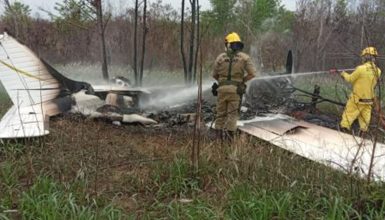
326,146
277,126
23,122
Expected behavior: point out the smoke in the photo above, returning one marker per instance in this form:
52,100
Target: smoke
173,96
91,73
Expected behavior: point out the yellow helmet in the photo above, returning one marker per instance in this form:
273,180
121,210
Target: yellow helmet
232,37
369,51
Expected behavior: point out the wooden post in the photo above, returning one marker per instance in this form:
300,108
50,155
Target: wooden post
314,98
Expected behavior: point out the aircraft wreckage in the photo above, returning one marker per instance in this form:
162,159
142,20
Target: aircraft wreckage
38,92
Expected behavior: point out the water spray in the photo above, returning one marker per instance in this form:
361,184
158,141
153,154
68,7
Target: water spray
295,75
177,97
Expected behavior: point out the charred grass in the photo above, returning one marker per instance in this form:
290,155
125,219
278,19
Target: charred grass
87,169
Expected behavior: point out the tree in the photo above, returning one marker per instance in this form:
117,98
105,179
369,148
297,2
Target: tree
17,19
182,52
80,13
190,63
263,10
71,14
222,15
144,36
193,40
136,73
97,4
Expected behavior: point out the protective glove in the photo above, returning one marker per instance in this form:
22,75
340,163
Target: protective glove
214,89
334,71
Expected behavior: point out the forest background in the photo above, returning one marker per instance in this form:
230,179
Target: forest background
321,33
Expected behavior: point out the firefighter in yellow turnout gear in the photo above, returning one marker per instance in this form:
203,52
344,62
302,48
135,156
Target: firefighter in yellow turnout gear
231,69
364,80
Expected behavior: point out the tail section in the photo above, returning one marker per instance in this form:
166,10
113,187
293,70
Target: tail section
24,76
32,89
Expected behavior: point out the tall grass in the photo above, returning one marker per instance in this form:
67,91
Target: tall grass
196,209
271,184
145,173
48,200
175,179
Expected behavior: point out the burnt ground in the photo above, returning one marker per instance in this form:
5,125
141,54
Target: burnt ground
184,114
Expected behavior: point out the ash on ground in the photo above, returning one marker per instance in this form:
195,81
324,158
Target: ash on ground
262,97
184,115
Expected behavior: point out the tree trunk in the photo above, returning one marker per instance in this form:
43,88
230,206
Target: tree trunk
319,38
197,40
99,11
143,42
192,41
135,43
182,43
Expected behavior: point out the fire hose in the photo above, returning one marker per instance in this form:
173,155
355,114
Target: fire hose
318,96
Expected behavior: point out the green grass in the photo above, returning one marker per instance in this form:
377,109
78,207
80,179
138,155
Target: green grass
175,179
248,203
47,199
269,185
250,180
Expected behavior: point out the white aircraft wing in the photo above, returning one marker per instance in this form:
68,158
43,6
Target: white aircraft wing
323,145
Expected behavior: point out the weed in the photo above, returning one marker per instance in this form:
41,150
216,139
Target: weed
9,183
190,210
246,203
175,179
12,150
49,200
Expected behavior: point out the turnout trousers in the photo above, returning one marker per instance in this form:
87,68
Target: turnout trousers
227,111
354,110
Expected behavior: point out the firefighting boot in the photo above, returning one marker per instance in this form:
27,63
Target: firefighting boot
361,134
344,130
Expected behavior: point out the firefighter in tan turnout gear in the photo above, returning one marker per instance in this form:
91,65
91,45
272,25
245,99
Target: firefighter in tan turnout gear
364,80
232,70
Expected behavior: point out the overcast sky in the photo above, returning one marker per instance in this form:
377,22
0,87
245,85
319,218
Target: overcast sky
49,4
